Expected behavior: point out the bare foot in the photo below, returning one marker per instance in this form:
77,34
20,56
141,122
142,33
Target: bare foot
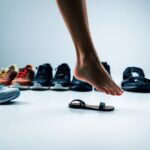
94,73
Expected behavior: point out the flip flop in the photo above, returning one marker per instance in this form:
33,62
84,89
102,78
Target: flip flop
135,83
79,104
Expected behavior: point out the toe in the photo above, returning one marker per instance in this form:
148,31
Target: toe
107,91
113,92
110,90
116,88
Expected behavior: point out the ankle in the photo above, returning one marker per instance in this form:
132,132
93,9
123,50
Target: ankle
86,52
87,59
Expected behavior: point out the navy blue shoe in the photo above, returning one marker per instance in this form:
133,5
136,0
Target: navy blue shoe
43,77
61,80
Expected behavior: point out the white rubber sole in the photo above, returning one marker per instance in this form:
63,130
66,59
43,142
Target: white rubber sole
59,87
21,87
38,86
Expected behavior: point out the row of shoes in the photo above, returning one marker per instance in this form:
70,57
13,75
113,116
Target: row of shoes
12,80
43,79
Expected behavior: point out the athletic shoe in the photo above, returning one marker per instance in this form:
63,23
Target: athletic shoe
7,94
78,85
42,78
7,75
24,78
61,80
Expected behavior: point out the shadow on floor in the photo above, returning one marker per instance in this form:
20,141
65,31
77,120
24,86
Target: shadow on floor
13,103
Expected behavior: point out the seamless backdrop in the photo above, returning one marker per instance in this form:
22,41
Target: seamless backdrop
32,31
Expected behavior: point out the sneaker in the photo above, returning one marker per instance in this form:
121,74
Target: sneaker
61,80
78,85
7,94
42,78
7,75
24,78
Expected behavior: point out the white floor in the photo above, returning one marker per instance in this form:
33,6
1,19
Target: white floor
43,121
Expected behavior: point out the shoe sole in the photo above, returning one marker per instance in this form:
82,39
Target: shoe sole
59,87
38,86
21,87
16,95
136,89
80,89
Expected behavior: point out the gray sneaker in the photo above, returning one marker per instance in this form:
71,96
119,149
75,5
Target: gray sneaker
8,94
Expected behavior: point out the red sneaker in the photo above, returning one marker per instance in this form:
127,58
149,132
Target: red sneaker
24,78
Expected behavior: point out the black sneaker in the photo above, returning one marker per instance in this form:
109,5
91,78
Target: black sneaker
61,80
78,85
43,77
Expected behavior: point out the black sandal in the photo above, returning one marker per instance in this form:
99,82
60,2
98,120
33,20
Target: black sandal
79,104
135,84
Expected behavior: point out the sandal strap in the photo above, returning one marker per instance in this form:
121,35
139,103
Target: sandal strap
101,106
82,103
128,73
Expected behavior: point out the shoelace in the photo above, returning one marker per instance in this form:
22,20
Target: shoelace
42,72
22,73
61,72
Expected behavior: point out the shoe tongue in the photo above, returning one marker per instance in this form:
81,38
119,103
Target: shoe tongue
43,66
46,65
40,69
13,68
28,67
64,65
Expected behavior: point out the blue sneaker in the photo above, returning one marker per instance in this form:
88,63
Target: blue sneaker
8,94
